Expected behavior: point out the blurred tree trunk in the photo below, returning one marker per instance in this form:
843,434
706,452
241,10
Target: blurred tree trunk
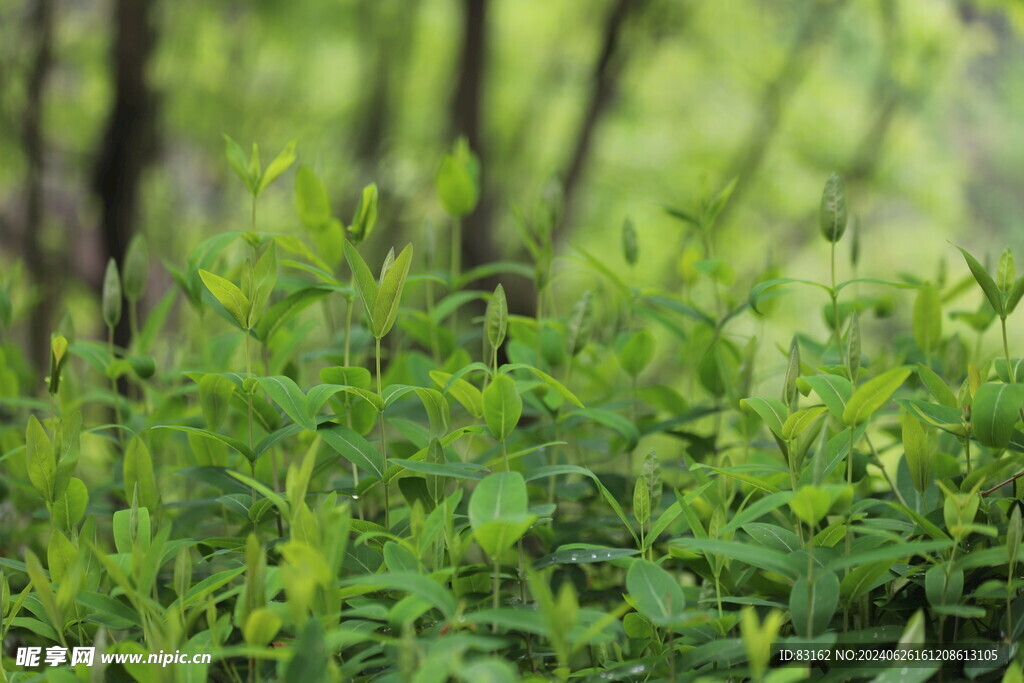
605,78
41,30
392,24
129,140
477,243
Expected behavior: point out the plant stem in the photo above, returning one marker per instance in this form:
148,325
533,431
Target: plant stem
1006,352
133,321
383,445
248,397
1003,483
456,269
113,384
495,587
849,513
835,307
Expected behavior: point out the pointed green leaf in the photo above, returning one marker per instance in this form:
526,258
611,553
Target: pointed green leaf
872,395
502,406
985,281
289,397
389,295
229,296
655,592
276,167
353,447
995,411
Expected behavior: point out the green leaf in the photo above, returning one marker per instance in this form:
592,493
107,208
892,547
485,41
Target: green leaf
753,555
496,317
366,284
229,296
811,504
919,456
462,391
799,421
348,376
927,318
863,579
789,386
761,289
834,391
215,393
622,425
279,502
944,417
61,554
415,584
277,315
641,502
237,160
276,167
138,475
229,441
581,323
872,395
41,462
389,295
502,406
353,447
457,181
44,590
630,249
985,281
655,592
552,383
311,201
636,352
583,553
136,268
260,627
1013,298
289,397
111,295
772,412
832,214
995,411
936,386
1006,272
66,448
70,506
812,604
498,511
264,279
365,216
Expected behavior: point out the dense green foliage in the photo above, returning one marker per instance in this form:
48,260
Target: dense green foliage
450,491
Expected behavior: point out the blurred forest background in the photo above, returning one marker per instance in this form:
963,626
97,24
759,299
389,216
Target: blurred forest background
112,114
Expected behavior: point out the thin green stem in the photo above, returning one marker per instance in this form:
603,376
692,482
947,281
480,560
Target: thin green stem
349,308
849,514
115,397
248,397
133,321
495,588
456,267
1006,351
383,444
835,307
